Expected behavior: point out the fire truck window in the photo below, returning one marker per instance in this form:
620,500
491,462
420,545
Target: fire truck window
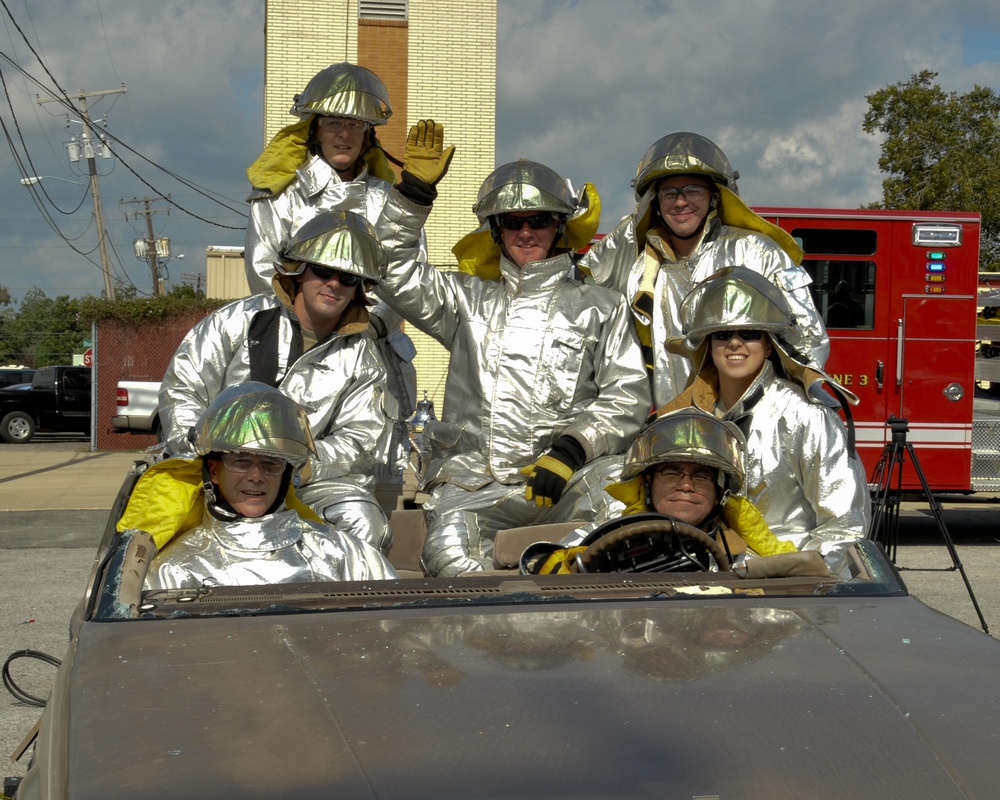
836,241
844,292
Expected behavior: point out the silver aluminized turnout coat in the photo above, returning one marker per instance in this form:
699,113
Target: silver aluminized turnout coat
280,547
535,355
800,473
273,220
340,383
618,262
316,188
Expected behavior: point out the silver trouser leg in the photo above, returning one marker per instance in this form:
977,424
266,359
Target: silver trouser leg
462,525
349,509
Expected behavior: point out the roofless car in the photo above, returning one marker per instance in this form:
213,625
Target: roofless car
503,685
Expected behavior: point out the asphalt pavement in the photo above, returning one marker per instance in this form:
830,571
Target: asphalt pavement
54,502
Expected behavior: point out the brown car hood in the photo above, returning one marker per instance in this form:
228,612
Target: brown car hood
677,699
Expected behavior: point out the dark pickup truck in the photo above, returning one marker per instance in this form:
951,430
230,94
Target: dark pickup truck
57,400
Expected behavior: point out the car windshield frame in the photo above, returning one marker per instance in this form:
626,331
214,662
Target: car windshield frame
116,590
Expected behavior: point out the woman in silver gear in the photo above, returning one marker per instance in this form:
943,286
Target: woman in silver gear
332,159
251,443
687,465
309,338
545,381
688,222
329,159
802,471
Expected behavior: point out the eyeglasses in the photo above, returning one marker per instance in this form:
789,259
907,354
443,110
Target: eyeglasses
745,335
672,476
338,124
238,462
327,273
536,221
693,191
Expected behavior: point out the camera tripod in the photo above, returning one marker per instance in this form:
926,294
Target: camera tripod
886,502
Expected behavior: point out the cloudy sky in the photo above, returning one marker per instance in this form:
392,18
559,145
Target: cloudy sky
583,85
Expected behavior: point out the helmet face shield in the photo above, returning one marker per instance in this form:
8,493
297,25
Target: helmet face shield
345,90
684,154
340,240
254,417
735,297
689,435
525,186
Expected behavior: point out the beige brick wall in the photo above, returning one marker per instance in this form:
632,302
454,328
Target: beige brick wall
302,37
453,80
450,76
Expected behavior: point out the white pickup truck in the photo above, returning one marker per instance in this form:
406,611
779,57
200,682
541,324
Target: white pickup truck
137,408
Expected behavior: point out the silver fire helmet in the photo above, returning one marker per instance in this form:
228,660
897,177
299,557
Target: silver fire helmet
345,90
337,239
735,297
684,154
690,435
525,186
254,417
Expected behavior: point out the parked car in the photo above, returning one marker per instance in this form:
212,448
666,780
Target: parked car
57,400
137,403
502,685
13,376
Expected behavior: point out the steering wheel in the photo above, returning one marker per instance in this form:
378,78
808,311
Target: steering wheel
643,542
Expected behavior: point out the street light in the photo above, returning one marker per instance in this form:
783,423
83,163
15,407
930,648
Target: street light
31,180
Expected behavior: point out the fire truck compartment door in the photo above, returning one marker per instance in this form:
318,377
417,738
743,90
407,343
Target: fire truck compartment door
937,366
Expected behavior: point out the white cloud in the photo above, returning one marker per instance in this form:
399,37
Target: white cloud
584,86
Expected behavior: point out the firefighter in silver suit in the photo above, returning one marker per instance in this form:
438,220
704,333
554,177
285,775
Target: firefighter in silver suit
332,159
309,339
803,473
688,222
545,381
687,466
250,443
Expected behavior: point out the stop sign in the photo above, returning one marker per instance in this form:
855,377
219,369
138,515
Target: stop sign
88,357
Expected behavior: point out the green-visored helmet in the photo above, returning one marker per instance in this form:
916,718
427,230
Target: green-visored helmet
254,417
690,435
345,90
735,297
338,239
525,186
684,154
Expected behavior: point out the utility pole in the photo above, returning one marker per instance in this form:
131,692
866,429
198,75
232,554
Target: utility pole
196,278
150,247
87,146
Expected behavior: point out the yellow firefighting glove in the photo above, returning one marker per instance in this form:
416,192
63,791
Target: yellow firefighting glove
558,562
425,157
547,477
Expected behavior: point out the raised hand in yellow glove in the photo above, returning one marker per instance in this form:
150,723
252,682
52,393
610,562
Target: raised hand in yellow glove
547,477
425,157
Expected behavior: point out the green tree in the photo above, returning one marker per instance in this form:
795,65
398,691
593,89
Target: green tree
6,356
45,331
940,152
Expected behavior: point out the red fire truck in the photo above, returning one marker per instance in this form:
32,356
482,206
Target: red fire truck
899,291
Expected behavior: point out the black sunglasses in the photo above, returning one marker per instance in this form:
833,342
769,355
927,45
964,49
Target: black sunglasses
343,278
745,335
536,222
